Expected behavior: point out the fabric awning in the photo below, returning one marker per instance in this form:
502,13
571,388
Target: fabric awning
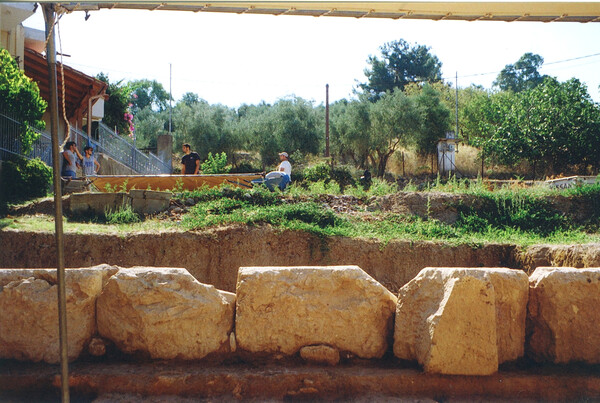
563,11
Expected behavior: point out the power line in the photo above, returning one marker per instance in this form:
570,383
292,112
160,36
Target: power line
544,65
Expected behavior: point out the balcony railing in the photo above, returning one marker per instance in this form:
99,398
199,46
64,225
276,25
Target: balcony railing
104,141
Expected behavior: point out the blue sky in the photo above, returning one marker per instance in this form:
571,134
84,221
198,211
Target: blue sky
234,59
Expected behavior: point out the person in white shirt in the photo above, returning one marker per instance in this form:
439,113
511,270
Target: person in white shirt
286,168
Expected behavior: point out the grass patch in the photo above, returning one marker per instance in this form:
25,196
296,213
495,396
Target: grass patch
123,215
520,216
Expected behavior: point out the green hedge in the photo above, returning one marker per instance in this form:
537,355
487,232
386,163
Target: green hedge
22,179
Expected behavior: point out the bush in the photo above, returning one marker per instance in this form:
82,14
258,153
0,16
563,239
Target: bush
319,172
124,215
343,177
24,179
512,210
215,164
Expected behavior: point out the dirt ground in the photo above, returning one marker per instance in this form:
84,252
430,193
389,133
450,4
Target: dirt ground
387,381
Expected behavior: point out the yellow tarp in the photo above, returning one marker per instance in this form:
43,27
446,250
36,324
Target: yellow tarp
469,11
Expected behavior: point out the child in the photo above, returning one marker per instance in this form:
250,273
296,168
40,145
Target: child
90,165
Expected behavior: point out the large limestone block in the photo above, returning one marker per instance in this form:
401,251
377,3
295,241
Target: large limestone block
462,320
165,312
563,324
282,309
29,312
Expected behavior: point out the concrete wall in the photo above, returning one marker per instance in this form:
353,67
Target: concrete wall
109,166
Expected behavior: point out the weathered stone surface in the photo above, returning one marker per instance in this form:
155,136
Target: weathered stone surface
29,312
165,312
97,203
320,354
563,324
149,201
282,309
97,347
461,320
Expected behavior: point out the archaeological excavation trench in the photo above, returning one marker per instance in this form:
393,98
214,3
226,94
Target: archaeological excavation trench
214,257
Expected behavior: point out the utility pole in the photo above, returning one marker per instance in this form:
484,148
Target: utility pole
326,120
170,96
456,135
50,20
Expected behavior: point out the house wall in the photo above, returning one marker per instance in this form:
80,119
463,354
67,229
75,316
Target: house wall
12,33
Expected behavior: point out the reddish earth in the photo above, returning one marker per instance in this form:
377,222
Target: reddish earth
356,382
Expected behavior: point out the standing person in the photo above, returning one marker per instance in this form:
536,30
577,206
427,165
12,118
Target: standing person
286,168
90,165
71,157
190,163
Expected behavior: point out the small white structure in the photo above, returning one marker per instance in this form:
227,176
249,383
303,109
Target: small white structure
447,148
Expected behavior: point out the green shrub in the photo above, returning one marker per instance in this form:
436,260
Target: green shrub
123,215
24,179
516,210
215,164
319,172
343,177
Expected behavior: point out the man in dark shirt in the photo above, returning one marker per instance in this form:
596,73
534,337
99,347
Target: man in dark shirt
190,163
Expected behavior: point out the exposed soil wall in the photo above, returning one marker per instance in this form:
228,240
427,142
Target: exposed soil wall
214,257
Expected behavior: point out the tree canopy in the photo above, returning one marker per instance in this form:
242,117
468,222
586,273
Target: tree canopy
148,93
400,64
521,76
554,123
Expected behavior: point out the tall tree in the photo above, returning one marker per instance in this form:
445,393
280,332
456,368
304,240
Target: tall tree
435,120
399,65
555,123
148,93
395,120
116,108
521,76
350,125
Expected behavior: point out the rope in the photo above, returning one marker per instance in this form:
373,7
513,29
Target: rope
62,74
59,15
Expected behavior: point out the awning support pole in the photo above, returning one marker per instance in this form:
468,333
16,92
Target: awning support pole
49,17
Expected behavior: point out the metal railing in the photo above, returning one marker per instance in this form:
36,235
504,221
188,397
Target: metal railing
104,141
120,149
10,143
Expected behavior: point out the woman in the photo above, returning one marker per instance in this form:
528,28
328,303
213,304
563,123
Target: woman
71,157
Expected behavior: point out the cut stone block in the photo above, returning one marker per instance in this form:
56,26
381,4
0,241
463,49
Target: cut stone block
282,309
29,329
463,321
563,324
149,201
166,313
96,203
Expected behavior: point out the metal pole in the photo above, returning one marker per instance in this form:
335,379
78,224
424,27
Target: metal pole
49,17
456,135
170,96
327,120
